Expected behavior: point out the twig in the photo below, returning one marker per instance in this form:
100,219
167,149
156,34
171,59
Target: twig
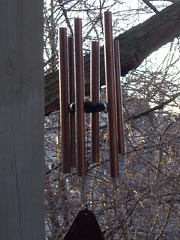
151,6
157,107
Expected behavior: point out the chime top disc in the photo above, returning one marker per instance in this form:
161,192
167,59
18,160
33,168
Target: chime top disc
85,227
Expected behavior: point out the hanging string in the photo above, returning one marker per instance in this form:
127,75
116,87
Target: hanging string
88,137
84,181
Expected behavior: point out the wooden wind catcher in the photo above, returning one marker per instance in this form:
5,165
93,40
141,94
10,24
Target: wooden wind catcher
72,94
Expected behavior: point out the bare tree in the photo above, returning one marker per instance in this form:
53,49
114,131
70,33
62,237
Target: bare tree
137,44
144,202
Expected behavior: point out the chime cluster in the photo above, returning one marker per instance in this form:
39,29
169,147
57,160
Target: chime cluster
72,94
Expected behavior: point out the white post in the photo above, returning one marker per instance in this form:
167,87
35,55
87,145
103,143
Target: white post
21,120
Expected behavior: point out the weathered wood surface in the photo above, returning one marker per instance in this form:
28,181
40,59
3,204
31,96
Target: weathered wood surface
135,45
21,120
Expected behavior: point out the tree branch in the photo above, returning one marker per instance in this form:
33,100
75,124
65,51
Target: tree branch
157,107
150,5
136,44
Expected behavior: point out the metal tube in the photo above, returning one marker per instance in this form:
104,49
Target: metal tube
72,99
64,99
119,98
94,95
110,85
79,104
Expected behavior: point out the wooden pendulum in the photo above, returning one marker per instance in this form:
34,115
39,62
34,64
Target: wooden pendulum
85,227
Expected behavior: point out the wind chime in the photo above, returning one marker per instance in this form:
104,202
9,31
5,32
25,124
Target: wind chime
73,108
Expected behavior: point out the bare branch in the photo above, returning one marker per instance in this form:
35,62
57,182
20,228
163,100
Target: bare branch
136,45
157,107
150,5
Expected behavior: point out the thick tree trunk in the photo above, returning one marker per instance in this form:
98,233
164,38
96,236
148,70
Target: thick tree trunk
136,44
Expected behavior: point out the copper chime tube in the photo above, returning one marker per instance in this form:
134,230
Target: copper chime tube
119,98
64,99
94,95
111,95
79,104
72,100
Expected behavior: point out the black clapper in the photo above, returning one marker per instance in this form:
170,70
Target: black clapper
85,227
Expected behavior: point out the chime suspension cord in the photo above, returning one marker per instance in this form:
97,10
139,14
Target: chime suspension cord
88,156
85,179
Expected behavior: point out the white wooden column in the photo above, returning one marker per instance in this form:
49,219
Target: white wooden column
21,120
